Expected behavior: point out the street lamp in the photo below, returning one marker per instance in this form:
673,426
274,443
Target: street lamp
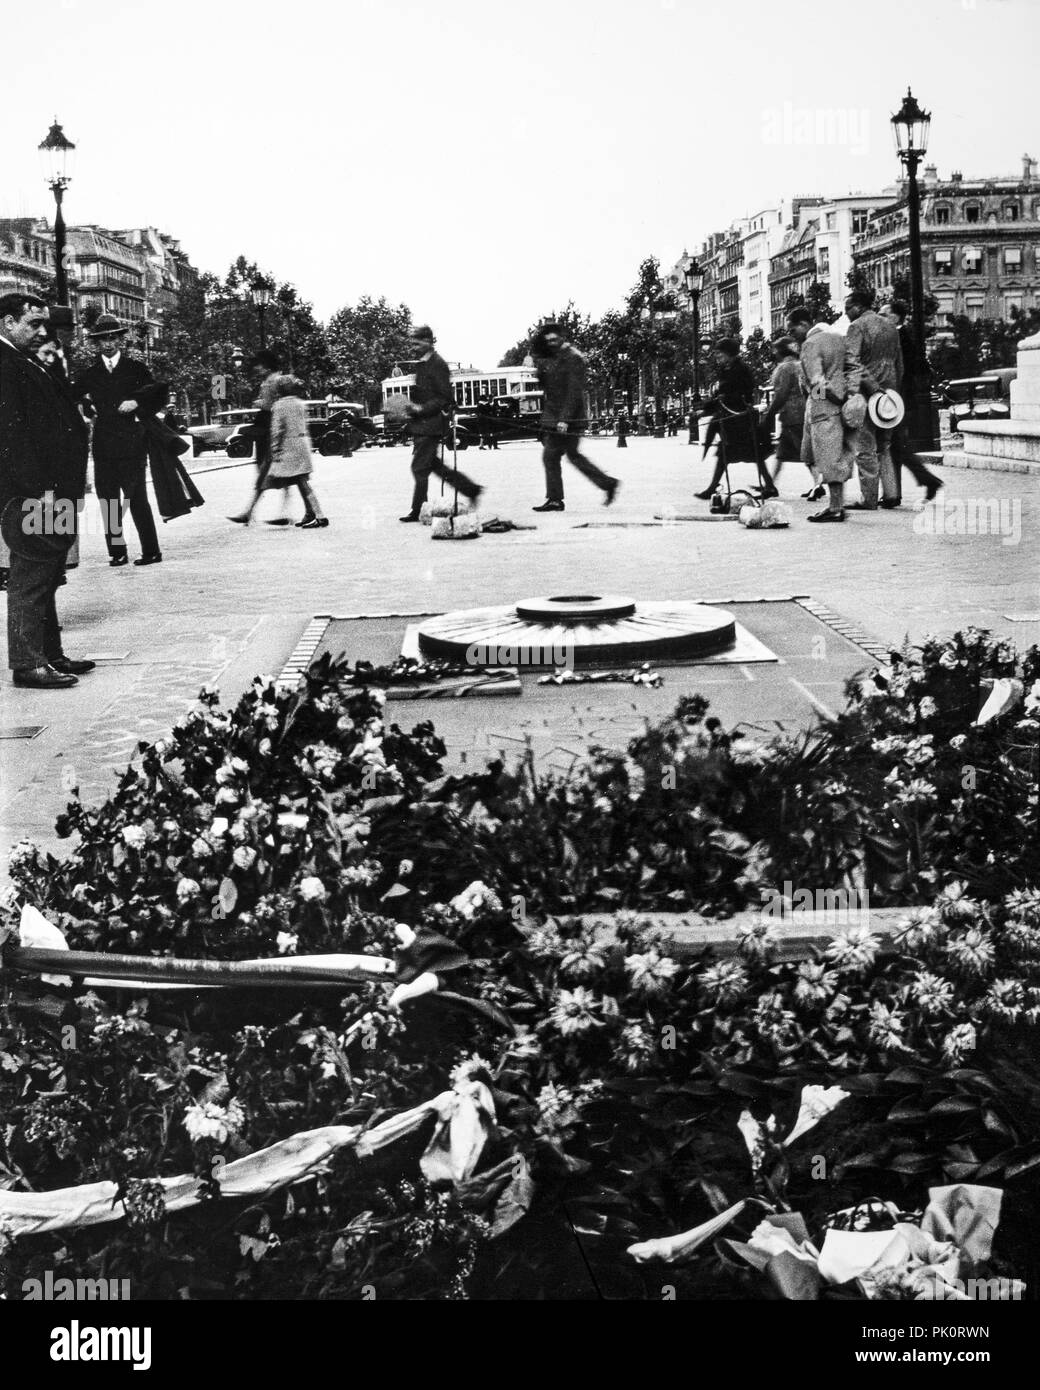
622,358
910,126
56,155
259,294
694,284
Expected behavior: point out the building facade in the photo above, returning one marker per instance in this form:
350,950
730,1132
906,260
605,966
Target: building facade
167,275
980,243
762,240
26,255
110,275
842,221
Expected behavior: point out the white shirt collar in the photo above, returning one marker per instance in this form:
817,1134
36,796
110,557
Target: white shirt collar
427,357
111,363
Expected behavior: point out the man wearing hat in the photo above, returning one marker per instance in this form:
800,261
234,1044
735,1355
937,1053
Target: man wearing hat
118,390
873,364
43,469
433,403
821,364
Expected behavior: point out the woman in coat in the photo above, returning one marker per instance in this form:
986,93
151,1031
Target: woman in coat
291,463
787,404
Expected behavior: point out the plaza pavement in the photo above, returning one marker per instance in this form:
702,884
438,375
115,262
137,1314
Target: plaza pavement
230,602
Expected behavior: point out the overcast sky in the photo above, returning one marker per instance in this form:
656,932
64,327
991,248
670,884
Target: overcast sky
484,161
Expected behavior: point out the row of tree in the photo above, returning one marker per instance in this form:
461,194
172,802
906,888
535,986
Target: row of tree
639,353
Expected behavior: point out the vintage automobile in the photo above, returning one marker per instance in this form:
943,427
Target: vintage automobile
504,417
215,435
345,429
975,398
324,420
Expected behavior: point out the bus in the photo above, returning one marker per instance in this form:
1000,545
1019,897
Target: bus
470,384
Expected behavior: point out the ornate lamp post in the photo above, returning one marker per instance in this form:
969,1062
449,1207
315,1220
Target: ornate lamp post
238,358
910,126
694,285
259,295
622,358
56,155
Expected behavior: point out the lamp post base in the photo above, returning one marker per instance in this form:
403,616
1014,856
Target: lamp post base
923,423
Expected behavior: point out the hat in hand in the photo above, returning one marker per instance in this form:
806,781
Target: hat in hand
106,325
886,409
854,411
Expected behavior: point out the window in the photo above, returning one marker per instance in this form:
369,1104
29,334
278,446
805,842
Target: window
942,215
974,306
972,260
825,260
1010,212
945,302
1013,259
1013,302
972,213
860,218
944,262
832,221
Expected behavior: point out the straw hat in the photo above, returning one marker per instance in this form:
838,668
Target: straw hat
886,409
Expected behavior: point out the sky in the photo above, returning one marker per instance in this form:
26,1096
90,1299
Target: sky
485,161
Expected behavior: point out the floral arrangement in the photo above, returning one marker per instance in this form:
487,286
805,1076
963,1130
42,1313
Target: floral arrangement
607,1079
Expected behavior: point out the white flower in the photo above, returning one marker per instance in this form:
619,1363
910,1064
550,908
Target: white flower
672,1248
226,796
948,660
959,1042
201,848
220,826
958,741
754,1137
816,1102
312,890
286,941
244,857
928,708
1032,704
134,837
478,897
187,889
405,935
854,950
649,972
573,1011
291,820
211,1121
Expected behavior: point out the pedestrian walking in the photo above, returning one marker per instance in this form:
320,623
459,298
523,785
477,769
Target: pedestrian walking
786,404
561,377
735,392
290,462
430,412
43,472
824,443
119,392
264,368
873,363
903,455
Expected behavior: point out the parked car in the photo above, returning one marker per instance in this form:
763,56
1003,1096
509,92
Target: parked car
975,398
215,435
345,429
323,425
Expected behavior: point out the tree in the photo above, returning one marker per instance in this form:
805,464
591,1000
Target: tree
364,343
577,329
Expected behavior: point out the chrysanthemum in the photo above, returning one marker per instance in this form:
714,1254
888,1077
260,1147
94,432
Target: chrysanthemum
972,952
931,993
959,1042
635,1047
815,984
885,1028
584,958
757,939
574,1011
1004,999
919,926
649,972
854,950
724,983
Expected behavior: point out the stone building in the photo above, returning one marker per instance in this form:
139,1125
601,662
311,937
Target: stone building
111,275
980,241
167,271
26,255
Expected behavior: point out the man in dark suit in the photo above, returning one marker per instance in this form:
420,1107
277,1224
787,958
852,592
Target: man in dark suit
561,376
873,362
43,467
119,391
429,413
903,455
